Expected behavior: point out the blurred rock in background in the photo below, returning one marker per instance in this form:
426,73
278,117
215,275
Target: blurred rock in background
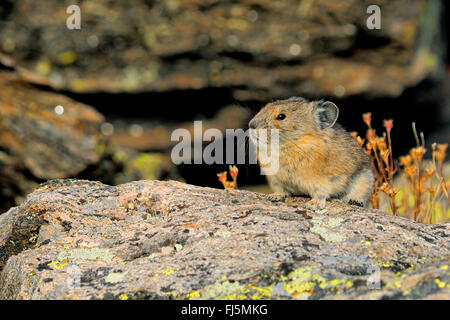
46,135
261,49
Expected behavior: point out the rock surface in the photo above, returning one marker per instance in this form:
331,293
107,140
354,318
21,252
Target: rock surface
52,134
263,49
43,135
74,239
47,135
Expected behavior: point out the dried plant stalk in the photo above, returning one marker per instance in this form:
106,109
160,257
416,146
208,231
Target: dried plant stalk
425,186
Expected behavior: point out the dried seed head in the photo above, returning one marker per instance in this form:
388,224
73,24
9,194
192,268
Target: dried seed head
388,124
370,133
385,156
381,143
410,171
367,118
417,153
440,153
234,172
405,161
429,172
222,176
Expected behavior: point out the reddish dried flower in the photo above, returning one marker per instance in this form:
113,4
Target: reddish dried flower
367,118
234,172
385,156
417,153
440,153
222,176
381,143
410,171
388,124
429,172
370,133
405,160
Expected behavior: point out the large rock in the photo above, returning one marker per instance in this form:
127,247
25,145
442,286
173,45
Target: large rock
262,49
76,239
47,135
43,135
53,135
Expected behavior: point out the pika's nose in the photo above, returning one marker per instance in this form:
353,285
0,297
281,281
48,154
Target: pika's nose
252,124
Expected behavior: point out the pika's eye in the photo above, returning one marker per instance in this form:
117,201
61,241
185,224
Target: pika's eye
281,116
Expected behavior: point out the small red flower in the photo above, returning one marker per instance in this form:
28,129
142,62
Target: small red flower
234,172
367,118
370,134
222,176
388,124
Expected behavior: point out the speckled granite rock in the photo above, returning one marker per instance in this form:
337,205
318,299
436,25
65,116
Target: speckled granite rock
75,239
262,49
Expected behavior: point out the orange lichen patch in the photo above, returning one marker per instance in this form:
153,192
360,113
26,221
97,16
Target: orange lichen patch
191,226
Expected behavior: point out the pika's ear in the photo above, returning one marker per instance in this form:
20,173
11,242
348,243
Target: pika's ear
326,114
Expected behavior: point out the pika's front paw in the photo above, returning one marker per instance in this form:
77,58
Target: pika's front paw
277,196
316,204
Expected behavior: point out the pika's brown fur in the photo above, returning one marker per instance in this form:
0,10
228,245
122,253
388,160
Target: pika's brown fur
317,157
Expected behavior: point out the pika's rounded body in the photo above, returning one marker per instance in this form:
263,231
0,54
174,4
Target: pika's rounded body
316,156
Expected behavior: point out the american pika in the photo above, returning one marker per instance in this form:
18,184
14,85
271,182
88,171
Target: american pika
317,157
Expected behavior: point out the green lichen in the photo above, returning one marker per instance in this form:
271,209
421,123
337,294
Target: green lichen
33,238
379,226
58,265
123,296
147,164
299,284
441,284
193,295
335,222
115,277
407,237
228,290
396,282
100,148
319,227
224,290
119,156
223,234
82,255
166,272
